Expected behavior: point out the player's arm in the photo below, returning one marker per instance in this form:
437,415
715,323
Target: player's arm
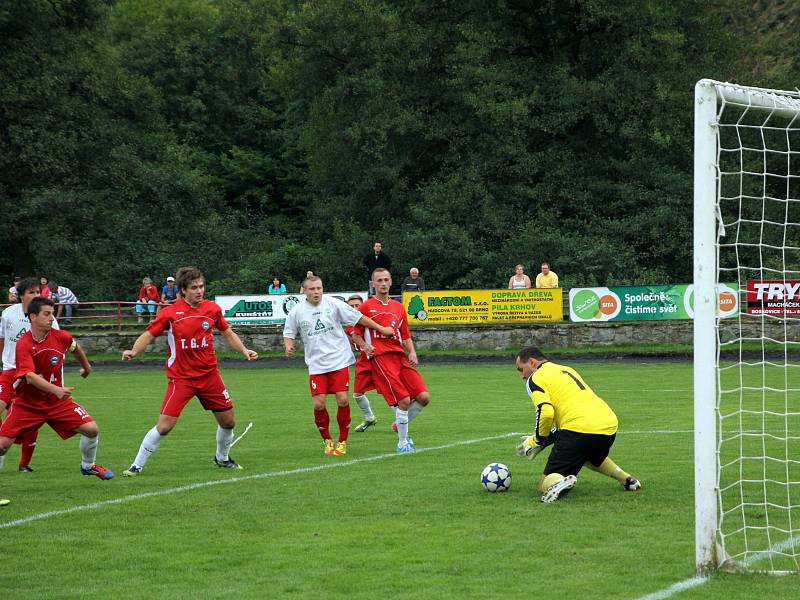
39,382
411,351
139,345
235,342
361,343
2,343
83,360
365,321
288,344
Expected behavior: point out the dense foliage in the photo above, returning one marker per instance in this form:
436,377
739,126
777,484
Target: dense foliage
266,137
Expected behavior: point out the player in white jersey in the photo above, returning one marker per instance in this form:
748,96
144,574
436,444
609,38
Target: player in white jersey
319,323
14,324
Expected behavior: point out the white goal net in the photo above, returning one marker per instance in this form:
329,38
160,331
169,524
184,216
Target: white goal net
747,369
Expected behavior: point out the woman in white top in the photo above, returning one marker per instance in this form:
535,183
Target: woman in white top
519,281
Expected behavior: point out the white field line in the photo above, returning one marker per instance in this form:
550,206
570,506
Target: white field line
677,588
269,474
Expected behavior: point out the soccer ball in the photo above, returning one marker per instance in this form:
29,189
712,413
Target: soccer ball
496,477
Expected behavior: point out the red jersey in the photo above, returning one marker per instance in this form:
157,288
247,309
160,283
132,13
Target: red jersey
190,337
149,292
45,358
392,314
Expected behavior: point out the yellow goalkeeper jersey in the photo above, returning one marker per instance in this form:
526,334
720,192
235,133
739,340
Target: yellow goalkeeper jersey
562,399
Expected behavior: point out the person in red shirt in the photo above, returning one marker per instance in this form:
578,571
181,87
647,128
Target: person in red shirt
392,360
40,393
148,299
191,366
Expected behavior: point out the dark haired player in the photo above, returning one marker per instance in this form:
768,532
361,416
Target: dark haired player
40,393
191,366
576,421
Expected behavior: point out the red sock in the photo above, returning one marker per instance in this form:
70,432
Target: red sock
323,420
27,444
343,417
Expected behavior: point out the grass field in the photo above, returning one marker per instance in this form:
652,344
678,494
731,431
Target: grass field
372,524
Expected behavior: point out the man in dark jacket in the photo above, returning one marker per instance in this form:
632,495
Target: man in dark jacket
376,259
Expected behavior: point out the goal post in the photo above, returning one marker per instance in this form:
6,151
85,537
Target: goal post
747,408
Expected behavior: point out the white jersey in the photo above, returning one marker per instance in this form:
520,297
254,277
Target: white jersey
13,325
327,346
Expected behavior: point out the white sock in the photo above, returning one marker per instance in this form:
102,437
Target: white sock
88,451
363,404
150,443
224,439
414,410
401,418
2,460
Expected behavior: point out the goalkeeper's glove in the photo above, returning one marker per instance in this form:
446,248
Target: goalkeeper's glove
528,448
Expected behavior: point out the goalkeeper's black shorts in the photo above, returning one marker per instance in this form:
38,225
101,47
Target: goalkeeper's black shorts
572,449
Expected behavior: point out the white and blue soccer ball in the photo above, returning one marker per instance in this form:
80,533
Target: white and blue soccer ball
496,477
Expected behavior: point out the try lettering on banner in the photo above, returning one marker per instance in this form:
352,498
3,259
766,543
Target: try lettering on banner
472,307
773,297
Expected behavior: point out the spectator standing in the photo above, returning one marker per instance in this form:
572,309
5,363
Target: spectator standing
276,287
44,284
309,274
413,283
12,291
519,281
547,278
66,299
376,260
148,299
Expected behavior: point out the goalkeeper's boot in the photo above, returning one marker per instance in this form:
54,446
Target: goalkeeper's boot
366,425
632,484
559,488
227,464
341,448
329,449
411,443
98,470
132,471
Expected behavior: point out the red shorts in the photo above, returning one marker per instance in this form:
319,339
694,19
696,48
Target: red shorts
209,389
64,417
363,381
329,383
7,386
395,378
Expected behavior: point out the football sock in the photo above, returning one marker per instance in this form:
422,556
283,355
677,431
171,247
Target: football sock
224,439
343,418
323,420
401,418
363,404
549,480
150,443
27,446
88,451
610,469
414,410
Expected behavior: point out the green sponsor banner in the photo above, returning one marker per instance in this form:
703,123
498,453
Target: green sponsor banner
645,303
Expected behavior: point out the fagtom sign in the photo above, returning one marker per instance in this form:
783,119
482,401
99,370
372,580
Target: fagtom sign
773,297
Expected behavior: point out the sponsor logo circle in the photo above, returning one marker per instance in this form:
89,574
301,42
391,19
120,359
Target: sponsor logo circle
586,304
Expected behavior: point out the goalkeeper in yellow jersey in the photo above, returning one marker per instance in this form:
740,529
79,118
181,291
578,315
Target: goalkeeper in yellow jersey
580,426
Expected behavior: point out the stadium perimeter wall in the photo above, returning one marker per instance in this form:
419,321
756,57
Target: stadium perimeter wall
550,335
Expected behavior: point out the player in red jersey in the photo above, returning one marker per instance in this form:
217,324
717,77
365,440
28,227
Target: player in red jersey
363,378
191,366
40,393
14,324
393,372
